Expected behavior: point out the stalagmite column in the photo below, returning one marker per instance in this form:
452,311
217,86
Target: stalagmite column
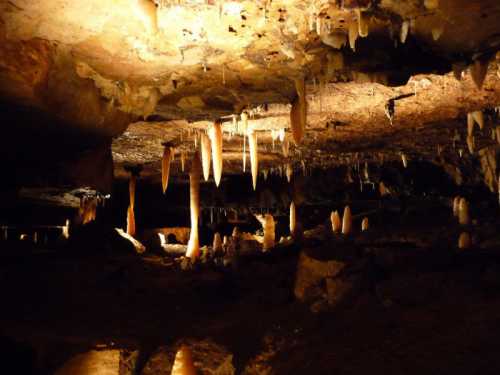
205,155
364,224
463,212
464,241
130,221
269,232
335,220
216,140
347,221
293,219
183,363
254,157
193,248
298,114
131,208
165,166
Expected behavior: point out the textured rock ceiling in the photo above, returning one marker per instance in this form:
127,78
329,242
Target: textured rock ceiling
98,65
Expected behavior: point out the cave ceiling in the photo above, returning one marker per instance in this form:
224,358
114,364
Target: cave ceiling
146,72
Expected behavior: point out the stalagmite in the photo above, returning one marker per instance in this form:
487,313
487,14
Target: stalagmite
146,11
335,220
478,118
471,144
254,158
464,241
362,24
183,363
347,221
364,224
288,172
463,212
193,248
217,243
405,26
404,160
456,203
205,155
293,219
65,229
216,139
298,113
353,35
165,167
269,232
478,70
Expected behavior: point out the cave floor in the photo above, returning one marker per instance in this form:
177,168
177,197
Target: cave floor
420,308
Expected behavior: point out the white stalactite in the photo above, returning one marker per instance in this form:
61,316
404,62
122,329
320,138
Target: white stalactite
216,139
205,155
405,26
254,157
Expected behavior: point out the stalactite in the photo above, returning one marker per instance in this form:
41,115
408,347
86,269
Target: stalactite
463,212
363,28
471,144
470,124
293,219
288,172
131,190
404,159
281,134
183,363
165,167
364,224
335,220
254,157
216,139
146,10
497,131
478,70
205,155
183,160
193,248
464,241
353,35
298,113
217,243
285,148
347,221
437,31
478,118
405,26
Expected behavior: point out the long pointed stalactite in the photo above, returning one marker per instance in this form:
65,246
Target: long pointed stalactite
130,211
193,248
205,155
165,166
254,157
216,141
